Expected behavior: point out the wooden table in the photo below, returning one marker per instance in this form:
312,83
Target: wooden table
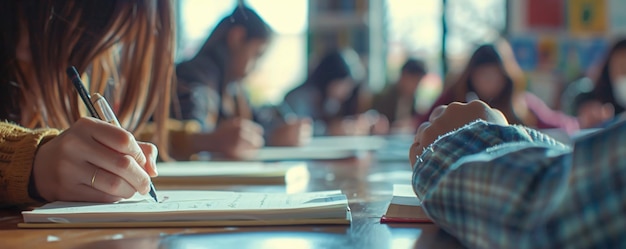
367,183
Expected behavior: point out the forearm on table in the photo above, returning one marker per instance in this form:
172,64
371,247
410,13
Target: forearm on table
502,193
476,137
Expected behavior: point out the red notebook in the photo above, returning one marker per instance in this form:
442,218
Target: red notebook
404,207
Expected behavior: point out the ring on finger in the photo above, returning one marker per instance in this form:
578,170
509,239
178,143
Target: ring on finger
93,178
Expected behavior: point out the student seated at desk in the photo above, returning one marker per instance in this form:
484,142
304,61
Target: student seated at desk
609,90
48,150
495,185
493,76
332,96
397,100
210,91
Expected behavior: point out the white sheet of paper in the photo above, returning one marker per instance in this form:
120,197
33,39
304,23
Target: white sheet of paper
403,194
196,205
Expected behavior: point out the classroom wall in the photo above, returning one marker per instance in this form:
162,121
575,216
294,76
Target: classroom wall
558,41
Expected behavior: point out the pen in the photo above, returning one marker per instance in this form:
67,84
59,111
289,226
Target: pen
99,108
80,88
285,111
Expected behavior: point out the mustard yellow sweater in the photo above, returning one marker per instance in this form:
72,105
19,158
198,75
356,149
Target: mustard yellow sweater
17,153
18,146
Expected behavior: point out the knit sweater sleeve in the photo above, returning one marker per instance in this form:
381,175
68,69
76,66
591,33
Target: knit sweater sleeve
18,146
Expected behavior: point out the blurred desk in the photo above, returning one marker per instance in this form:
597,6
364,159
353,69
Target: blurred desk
367,183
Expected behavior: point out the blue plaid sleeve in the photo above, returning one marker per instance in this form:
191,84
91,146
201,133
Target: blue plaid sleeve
492,186
495,186
593,211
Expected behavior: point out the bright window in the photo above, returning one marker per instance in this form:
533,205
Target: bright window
284,64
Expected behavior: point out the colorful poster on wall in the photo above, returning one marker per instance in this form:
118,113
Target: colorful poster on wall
587,16
591,52
569,64
545,14
547,53
525,51
617,19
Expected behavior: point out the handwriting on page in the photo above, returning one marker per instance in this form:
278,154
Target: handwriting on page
189,201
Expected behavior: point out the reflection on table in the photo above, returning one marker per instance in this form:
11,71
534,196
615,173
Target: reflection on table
366,182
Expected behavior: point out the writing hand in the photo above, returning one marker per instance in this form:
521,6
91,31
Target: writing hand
236,138
293,133
93,161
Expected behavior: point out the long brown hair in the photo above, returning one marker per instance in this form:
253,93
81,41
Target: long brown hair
124,47
603,89
496,54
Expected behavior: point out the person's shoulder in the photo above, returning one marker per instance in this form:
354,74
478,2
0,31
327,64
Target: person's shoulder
303,94
198,69
301,90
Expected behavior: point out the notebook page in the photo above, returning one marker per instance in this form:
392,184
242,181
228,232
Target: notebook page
403,194
200,201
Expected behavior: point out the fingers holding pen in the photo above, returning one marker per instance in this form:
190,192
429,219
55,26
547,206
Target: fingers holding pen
85,154
122,166
151,152
117,139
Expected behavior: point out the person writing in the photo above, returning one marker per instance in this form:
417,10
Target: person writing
609,90
48,150
333,95
210,91
397,101
493,76
495,185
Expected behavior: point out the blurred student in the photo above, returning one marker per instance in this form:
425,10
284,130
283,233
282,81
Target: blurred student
609,91
493,76
210,90
397,101
49,150
332,96
495,185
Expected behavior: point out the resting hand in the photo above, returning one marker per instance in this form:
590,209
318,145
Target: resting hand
594,113
236,138
93,161
293,133
445,119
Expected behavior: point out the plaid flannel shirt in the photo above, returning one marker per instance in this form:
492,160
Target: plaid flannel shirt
494,186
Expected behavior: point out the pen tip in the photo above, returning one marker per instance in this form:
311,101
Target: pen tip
153,193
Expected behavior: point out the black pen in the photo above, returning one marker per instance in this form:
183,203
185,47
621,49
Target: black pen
99,108
286,112
82,92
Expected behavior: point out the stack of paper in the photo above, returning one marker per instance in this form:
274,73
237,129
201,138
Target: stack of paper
197,208
270,154
322,148
248,173
405,207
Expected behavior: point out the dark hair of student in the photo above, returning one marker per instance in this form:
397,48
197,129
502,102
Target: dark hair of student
333,66
487,55
603,89
242,16
414,66
338,65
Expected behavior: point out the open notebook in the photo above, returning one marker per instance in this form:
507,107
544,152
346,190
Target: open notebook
405,207
196,208
216,173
